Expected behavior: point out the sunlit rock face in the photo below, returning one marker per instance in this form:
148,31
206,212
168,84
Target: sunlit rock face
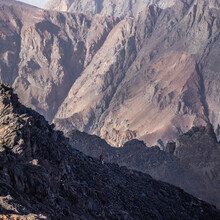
151,77
163,91
124,8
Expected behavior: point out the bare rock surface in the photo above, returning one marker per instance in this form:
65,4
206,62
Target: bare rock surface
123,8
42,176
191,163
150,77
163,91
44,53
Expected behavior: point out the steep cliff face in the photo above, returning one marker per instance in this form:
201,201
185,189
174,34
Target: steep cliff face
163,92
158,102
151,77
124,8
92,92
44,53
43,177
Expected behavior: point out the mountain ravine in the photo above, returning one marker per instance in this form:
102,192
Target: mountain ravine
151,74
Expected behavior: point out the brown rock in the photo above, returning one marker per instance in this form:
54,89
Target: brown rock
152,77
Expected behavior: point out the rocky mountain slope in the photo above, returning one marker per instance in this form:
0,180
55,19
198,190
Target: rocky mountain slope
191,163
43,177
165,89
44,53
123,8
151,77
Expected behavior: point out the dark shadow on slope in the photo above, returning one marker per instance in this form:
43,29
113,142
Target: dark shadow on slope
203,94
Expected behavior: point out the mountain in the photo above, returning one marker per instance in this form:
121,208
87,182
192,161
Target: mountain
191,163
124,8
155,87
44,177
151,77
43,53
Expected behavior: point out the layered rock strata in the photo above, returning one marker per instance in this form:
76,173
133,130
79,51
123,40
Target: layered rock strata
164,92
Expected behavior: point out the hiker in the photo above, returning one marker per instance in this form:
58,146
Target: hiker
101,159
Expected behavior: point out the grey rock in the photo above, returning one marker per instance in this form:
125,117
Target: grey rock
88,189
124,8
170,147
116,78
192,162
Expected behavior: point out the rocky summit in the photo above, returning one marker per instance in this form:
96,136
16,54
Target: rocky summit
44,177
123,8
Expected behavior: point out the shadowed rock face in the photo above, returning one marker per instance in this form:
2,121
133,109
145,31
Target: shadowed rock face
151,77
201,151
43,177
191,163
44,53
163,92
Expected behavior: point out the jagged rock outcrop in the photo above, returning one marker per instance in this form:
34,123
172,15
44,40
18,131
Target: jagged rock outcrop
123,8
201,151
44,53
163,92
191,163
151,77
43,177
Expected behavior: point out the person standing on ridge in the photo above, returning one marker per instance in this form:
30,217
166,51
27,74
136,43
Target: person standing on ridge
101,159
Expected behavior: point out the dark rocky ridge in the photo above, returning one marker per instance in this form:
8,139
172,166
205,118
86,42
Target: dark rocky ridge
191,163
43,177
